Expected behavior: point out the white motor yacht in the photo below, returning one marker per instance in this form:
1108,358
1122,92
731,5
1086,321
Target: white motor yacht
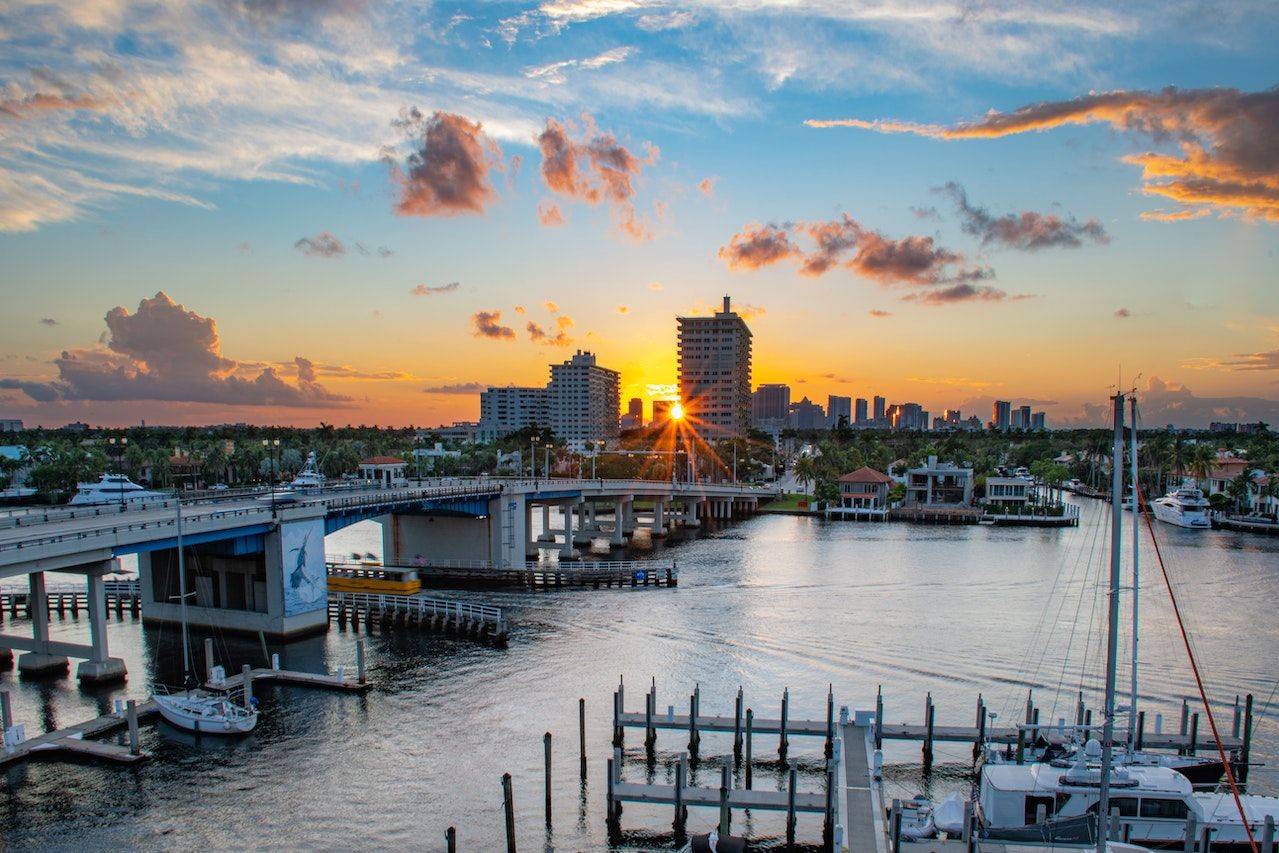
112,488
309,477
1184,508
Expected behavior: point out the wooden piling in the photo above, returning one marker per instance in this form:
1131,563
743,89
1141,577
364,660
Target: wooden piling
879,717
617,720
1088,725
694,739
650,731
581,734
830,720
246,676
928,734
6,712
737,728
1185,716
610,820
1141,729
1238,717
208,659
450,840
828,821
790,805
546,751
1030,707
1194,733
750,724
132,714
782,744
508,811
1245,752
359,661
1268,835
681,813
725,810
980,727
895,827
1021,745
1079,710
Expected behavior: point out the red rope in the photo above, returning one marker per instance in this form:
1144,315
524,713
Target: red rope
1185,639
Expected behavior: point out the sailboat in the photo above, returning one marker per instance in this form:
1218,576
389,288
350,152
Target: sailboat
1041,803
197,710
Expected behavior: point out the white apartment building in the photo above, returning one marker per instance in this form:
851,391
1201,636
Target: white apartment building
510,409
714,355
584,400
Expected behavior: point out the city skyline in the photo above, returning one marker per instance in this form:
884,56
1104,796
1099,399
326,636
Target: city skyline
369,213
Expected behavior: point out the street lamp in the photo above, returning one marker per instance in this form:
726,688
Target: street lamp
271,445
598,446
532,456
116,448
546,460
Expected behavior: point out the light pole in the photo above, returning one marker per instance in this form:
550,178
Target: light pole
532,456
598,446
116,449
734,462
271,445
546,460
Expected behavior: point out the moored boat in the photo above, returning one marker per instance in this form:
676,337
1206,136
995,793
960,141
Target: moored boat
1184,508
112,488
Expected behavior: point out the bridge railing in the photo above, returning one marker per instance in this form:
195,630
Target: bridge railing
115,530
457,610
125,588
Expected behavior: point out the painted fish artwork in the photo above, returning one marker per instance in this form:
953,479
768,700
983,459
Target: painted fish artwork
302,558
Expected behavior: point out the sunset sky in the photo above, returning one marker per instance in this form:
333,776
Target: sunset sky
279,211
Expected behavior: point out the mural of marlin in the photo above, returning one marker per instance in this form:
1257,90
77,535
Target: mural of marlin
298,576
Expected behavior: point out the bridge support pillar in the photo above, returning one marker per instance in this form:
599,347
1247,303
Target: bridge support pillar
101,667
568,552
547,535
40,661
620,505
659,517
526,531
584,531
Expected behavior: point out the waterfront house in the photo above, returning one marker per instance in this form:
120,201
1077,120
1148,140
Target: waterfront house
1258,500
862,494
384,471
1007,491
1226,468
939,484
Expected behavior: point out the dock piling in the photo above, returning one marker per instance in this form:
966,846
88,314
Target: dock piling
581,734
895,828
508,811
737,728
246,675
1268,835
650,731
359,661
928,736
6,712
617,720
1079,710
694,739
132,706
750,724
208,659
450,840
980,727
830,720
1141,729
782,744
725,810
681,814
1238,717
1245,751
1192,834
546,750
879,717
1185,716
1194,733
790,805
828,823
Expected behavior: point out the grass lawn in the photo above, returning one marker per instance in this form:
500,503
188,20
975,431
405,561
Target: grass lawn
788,502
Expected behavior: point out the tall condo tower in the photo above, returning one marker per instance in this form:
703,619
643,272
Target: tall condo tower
715,373
583,400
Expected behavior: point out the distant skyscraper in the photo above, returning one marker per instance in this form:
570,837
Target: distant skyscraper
1025,417
583,399
807,415
770,403
839,407
1037,422
859,411
879,411
1000,415
1014,420
715,372
913,416
511,409
634,417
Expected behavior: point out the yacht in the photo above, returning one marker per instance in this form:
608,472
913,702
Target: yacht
309,477
1184,508
112,489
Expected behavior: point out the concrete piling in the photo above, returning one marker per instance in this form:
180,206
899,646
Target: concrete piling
737,728
790,805
694,739
6,712
359,661
132,712
581,734
725,810
750,724
782,744
246,673
546,751
681,813
508,811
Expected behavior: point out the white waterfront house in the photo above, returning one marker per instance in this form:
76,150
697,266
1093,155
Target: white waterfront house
942,484
384,471
1006,491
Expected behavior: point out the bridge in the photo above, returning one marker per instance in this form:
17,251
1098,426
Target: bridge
255,562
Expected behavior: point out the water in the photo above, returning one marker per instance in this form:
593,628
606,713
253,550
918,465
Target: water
768,603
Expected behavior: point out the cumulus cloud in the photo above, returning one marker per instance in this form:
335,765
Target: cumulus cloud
1168,402
447,174
165,352
707,187
962,292
551,306
322,245
912,260
488,324
424,290
538,335
879,312
1028,230
595,168
549,215
48,321
1123,313
1227,160
458,388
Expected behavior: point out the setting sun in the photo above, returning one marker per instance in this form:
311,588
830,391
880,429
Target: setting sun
677,412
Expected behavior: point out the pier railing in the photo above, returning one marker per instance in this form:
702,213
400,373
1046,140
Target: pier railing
457,610
585,566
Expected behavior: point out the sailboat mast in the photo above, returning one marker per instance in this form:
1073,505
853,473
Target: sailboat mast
182,601
1112,621
1136,572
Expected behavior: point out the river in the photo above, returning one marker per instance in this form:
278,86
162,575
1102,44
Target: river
767,603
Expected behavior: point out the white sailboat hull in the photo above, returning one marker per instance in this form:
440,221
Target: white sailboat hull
207,714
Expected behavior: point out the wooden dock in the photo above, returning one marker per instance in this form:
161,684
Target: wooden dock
481,622
120,596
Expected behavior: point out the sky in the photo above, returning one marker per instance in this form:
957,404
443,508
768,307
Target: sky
346,211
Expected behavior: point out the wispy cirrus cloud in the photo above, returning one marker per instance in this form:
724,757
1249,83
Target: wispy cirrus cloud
488,324
1227,164
456,388
1028,231
554,72
879,313
426,290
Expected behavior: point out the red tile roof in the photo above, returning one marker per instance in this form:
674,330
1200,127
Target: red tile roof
383,460
866,474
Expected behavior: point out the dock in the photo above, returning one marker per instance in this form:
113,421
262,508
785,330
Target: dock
482,622
537,576
120,596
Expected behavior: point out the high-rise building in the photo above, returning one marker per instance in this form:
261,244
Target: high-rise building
714,355
913,416
859,411
770,402
1014,420
807,415
1025,417
583,399
839,407
878,412
1037,422
634,417
510,409
1000,415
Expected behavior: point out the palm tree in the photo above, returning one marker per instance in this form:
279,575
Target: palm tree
805,471
1237,489
1201,463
